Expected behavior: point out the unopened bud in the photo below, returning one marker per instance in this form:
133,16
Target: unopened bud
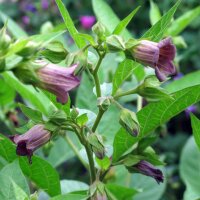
97,146
103,103
99,29
5,39
129,122
30,49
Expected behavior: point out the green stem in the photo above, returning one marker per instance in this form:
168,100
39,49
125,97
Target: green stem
98,119
95,74
75,150
133,91
91,162
97,84
139,103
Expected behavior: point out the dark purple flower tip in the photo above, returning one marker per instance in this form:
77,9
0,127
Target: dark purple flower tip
31,8
178,76
87,21
158,56
148,169
31,140
58,80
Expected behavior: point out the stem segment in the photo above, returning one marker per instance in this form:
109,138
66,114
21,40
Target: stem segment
133,91
98,119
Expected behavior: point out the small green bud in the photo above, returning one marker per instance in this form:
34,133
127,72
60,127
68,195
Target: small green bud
5,39
30,49
77,57
129,122
25,71
97,145
103,103
55,52
150,89
74,113
115,43
46,27
99,29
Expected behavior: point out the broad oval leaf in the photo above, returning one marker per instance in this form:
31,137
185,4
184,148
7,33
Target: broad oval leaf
155,114
190,171
42,174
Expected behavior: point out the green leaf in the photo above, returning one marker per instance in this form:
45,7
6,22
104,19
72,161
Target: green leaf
32,114
190,171
42,174
188,80
59,153
68,186
121,192
157,31
36,98
196,129
155,114
107,17
7,94
103,163
88,38
154,13
70,25
123,24
122,143
124,70
12,26
182,22
70,197
148,186
13,173
7,149
84,91
59,106
82,119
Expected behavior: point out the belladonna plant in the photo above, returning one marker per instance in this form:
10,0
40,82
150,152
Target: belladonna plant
30,141
156,55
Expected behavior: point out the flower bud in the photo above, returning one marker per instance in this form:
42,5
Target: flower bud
99,29
129,122
148,169
150,89
156,55
103,103
97,146
30,49
30,141
5,39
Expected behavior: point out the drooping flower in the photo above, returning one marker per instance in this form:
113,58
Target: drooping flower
87,21
57,80
148,169
30,141
156,55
